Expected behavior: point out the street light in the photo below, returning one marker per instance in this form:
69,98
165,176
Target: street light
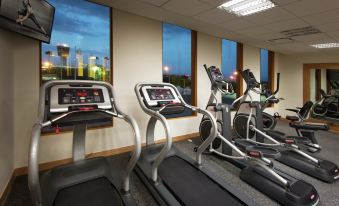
167,69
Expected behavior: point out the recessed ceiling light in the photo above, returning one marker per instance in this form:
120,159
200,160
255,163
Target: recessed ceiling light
246,7
325,46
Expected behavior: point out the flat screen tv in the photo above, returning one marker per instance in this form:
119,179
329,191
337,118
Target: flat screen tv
32,18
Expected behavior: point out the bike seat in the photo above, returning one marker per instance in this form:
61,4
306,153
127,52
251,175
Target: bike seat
292,118
253,148
309,126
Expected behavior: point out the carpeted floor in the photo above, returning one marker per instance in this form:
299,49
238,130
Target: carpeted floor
329,193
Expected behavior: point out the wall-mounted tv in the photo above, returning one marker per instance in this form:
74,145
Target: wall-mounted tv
32,18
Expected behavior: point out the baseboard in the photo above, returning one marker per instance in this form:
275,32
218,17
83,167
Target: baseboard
8,188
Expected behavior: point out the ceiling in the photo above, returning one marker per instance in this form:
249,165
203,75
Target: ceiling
255,30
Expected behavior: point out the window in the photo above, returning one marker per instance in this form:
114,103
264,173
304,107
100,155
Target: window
179,49
266,70
80,43
229,65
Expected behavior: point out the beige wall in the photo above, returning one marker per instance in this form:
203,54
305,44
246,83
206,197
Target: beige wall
6,109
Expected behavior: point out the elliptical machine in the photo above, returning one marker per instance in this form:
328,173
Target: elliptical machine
256,169
248,125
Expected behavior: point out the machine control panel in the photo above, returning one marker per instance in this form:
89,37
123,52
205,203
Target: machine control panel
216,74
250,78
65,98
76,96
159,96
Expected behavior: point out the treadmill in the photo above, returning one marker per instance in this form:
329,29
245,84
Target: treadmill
96,181
172,177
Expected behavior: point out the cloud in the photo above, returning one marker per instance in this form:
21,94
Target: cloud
78,16
82,6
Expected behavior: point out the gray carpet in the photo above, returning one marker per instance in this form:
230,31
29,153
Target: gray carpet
329,193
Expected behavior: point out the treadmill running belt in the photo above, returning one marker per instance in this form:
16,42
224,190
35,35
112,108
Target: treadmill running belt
92,193
191,186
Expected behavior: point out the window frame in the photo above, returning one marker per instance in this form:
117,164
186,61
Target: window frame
68,129
240,65
194,62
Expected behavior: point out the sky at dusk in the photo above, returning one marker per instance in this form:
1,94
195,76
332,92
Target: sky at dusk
82,25
229,57
263,65
176,49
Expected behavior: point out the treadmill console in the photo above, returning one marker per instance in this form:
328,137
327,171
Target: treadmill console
162,97
64,98
159,96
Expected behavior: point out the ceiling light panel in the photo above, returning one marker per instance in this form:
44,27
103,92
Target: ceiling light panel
246,7
325,46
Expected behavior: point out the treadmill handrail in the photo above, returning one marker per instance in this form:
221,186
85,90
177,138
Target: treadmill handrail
33,160
156,114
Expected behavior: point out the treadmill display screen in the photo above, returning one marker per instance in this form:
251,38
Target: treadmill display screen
80,96
160,94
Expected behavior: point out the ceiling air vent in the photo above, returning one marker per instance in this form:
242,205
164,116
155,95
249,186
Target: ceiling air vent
280,40
301,31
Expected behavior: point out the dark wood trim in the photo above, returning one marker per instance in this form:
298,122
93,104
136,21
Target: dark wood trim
111,44
240,65
271,73
306,76
8,188
194,62
53,164
40,65
271,70
317,84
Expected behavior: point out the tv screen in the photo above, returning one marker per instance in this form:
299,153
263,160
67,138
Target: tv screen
33,18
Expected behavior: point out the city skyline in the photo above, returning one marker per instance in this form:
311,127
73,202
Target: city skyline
93,39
